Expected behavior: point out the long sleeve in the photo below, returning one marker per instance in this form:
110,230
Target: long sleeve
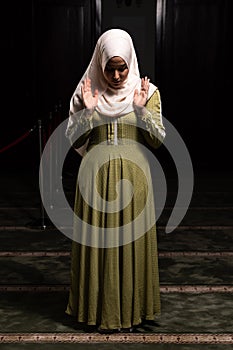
78,128
151,121
79,125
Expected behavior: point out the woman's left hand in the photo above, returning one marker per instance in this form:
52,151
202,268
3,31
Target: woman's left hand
140,97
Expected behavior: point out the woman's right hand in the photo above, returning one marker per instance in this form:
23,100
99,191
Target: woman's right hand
90,101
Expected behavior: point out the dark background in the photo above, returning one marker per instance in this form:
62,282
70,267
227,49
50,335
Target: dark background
182,45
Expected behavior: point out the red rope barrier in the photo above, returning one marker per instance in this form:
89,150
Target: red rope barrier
19,139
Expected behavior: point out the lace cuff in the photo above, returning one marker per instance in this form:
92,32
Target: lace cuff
153,123
79,124
85,120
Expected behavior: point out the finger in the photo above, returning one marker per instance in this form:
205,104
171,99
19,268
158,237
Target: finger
146,85
82,88
135,93
84,85
88,83
147,82
142,83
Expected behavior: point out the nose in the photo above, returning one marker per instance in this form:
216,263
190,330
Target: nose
116,75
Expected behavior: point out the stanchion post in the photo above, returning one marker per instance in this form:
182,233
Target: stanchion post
58,145
43,226
51,160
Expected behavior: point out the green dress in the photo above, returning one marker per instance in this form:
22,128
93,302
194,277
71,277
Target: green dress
116,285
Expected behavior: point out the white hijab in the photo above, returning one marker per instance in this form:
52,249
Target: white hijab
111,102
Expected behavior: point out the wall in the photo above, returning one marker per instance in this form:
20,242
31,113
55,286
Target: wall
139,20
44,52
184,46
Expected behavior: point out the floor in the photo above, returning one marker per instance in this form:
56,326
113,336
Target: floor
195,262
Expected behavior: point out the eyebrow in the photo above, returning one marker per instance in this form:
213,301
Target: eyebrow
113,65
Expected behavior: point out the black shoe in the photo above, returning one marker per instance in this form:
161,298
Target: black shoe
89,329
107,331
127,330
150,323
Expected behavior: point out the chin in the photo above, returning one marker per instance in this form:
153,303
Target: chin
116,86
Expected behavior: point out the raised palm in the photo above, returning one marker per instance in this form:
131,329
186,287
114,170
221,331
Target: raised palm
140,97
90,101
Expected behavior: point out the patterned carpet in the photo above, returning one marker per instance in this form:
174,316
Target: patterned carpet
195,273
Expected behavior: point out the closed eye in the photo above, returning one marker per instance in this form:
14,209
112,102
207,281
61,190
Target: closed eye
119,68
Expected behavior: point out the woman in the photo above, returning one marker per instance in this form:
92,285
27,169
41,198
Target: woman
114,268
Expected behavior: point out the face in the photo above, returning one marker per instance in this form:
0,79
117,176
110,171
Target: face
116,72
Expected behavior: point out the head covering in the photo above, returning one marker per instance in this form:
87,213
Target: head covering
111,102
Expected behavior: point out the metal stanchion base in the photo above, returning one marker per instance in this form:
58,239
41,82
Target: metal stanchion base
41,224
